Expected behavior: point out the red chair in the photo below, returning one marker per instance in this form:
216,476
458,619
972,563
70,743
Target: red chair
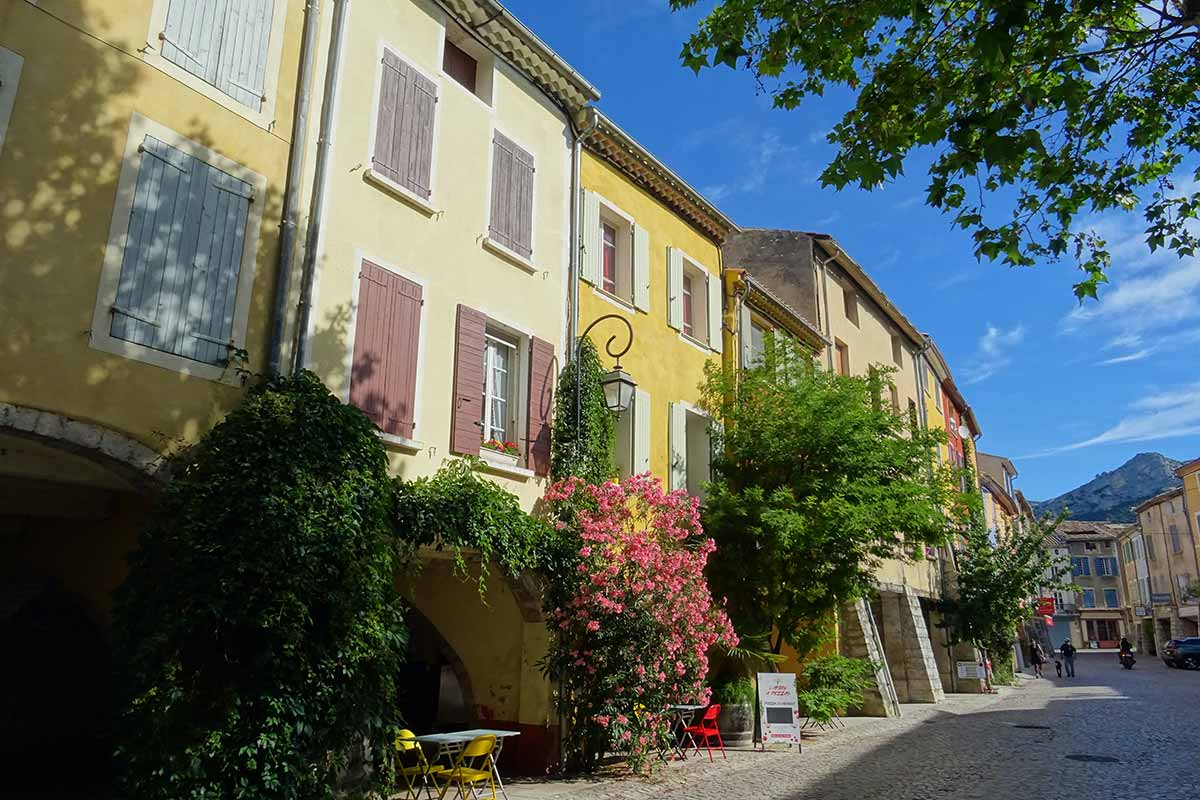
707,730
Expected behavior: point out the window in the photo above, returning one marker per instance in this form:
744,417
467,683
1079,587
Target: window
179,266
387,334
690,449
912,414
1171,505
468,62
402,153
850,305
503,383
1080,566
1103,630
608,277
1110,598
1089,598
511,224
1089,545
633,436
499,381
841,361
224,45
895,398
1150,548
1106,567
688,326
1176,546
758,342
897,351
930,382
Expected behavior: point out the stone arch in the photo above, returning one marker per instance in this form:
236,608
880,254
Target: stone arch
142,467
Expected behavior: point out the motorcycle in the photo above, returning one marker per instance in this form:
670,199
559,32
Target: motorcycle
1127,660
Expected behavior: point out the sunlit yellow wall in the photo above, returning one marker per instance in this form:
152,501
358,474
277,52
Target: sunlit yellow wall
58,180
663,364
441,249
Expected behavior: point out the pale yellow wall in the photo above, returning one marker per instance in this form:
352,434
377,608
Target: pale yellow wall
442,250
58,181
663,364
1155,523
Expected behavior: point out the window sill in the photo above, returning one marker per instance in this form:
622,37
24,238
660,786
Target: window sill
507,469
696,343
509,256
400,443
619,302
398,191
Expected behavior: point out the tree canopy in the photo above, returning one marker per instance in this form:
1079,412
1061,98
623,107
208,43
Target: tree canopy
1052,110
816,480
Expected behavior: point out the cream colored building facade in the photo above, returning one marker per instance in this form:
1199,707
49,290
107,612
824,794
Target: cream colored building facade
1163,546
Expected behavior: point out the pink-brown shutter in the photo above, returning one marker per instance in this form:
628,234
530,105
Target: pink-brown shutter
383,378
466,432
404,126
511,221
541,406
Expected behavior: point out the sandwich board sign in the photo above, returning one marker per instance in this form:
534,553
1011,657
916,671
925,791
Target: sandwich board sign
778,713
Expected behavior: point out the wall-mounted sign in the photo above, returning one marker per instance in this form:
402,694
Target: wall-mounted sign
972,671
1141,611
777,708
1160,598
1046,606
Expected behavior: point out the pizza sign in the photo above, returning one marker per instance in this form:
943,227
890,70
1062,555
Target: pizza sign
777,708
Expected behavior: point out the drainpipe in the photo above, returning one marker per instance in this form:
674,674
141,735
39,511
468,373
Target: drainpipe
576,226
291,199
316,210
824,267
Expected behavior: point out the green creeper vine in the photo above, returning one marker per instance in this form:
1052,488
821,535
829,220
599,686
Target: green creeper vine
584,428
459,509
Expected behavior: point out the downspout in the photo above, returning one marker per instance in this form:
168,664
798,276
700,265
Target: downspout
291,199
576,228
316,210
824,266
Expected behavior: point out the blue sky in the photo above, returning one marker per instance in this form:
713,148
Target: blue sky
1066,391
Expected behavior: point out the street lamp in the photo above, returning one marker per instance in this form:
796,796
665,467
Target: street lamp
617,384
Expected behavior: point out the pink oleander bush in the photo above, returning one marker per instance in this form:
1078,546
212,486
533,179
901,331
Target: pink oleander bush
631,617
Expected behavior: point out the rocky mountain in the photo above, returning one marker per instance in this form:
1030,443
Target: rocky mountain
1110,495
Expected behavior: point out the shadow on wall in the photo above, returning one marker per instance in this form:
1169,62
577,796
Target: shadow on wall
59,169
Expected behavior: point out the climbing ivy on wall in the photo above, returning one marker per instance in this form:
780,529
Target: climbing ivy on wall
584,428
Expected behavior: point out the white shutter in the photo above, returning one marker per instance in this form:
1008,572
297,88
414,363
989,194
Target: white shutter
677,446
715,322
641,432
745,336
10,76
675,288
590,238
641,268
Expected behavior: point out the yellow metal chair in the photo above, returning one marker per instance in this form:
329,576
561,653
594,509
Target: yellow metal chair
414,770
473,766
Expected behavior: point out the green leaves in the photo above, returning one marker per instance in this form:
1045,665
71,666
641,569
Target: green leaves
1050,110
259,633
584,428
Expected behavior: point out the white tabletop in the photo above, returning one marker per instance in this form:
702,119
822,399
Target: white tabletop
454,737
685,708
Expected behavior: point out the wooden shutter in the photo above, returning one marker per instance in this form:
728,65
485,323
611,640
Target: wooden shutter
746,336
404,126
641,267
541,406
591,245
677,445
641,431
223,42
387,330
675,288
511,221
191,38
716,325
183,256
466,432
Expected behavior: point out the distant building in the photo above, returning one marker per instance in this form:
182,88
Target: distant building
1161,555
1096,583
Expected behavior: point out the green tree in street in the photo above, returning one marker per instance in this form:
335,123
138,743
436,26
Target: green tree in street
1066,108
259,633
815,481
1000,576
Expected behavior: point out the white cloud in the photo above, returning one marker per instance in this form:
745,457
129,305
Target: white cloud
910,201
956,279
1125,359
818,136
716,193
993,353
1162,415
757,155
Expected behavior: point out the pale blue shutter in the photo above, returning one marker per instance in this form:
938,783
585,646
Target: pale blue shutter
224,42
183,254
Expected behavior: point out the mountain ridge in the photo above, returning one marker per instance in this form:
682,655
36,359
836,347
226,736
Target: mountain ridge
1111,496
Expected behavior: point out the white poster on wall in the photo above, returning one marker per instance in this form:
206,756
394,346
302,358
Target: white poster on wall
777,708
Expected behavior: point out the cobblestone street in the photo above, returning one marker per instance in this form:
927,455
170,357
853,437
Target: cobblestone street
1107,733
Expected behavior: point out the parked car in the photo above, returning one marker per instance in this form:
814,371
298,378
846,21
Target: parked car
1182,653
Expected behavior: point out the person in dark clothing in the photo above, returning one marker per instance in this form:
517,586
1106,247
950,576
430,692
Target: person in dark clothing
1037,656
1068,654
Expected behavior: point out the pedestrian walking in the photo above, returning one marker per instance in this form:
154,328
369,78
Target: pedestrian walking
1037,657
1068,654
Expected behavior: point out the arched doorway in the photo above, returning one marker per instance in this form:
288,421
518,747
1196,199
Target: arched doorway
69,516
435,690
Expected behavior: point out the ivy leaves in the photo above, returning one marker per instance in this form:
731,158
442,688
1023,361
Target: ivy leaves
1040,114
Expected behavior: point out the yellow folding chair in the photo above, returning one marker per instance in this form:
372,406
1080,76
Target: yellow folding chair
415,770
473,766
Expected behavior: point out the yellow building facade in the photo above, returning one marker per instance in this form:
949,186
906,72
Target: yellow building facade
651,254
144,153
